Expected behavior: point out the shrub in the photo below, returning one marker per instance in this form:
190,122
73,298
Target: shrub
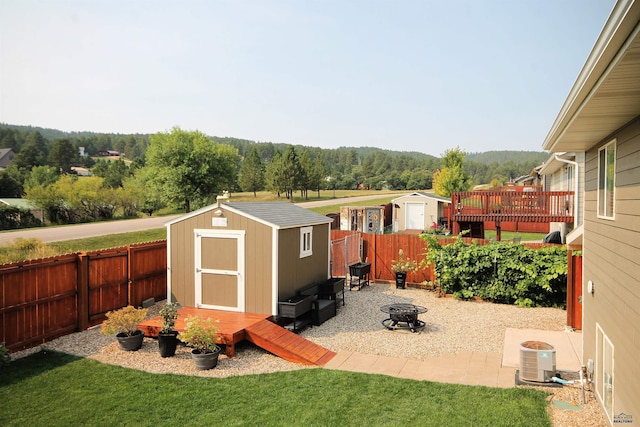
200,334
23,249
500,272
124,320
5,357
169,313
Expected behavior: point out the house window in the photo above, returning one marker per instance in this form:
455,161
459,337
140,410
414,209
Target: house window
606,180
604,369
570,183
306,241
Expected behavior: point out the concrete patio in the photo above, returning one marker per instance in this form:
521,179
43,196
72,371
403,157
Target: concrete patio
471,368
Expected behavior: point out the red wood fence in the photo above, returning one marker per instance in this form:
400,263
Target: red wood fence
574,290
44,299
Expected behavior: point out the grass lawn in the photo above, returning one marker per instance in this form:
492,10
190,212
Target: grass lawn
56,389
109,241
509,235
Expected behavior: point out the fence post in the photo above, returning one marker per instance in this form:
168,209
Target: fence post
131,292
83,291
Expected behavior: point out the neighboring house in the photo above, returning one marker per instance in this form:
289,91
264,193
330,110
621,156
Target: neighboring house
80,171
6,157
601,120
565,172
246,256
418,211
366,219
109,153
24,204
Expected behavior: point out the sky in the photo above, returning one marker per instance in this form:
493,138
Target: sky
403,75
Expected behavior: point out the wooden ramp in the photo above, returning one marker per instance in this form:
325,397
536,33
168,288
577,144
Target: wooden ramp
284,343
254,327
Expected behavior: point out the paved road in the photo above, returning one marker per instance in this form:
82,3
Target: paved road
81,231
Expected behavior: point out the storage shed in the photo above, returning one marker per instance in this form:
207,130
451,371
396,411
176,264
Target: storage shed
246,256
366,219
418,211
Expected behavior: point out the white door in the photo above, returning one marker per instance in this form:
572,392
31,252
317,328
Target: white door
415,216
219,269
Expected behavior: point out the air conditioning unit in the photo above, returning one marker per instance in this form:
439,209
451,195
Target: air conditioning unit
537,361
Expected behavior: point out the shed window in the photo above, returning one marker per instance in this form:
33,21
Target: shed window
606,180
306,241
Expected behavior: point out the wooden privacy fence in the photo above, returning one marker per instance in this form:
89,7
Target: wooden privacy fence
44,299
381,249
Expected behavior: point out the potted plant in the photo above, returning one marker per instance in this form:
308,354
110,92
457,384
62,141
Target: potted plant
168,336
201,334
402,266
124,324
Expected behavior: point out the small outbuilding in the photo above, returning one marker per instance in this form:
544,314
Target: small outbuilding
366,219
419,211
246,256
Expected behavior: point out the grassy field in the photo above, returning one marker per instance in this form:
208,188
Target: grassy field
33,249
56,389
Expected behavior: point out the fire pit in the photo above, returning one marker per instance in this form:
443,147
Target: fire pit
403,316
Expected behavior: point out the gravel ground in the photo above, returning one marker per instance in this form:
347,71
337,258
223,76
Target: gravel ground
452,326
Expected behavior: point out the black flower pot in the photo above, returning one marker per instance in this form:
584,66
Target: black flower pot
130,342
204,360
167,343
401,278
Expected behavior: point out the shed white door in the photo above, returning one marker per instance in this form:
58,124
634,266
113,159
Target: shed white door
220,264
415,216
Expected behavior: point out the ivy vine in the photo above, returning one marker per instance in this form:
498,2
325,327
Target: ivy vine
500,272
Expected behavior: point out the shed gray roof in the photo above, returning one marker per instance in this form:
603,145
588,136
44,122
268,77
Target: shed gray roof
273,214
278,214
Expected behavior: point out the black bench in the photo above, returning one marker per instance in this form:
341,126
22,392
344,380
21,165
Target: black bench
322,309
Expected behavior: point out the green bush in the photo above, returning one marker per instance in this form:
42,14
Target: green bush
12,217
5,357
22,249
500,272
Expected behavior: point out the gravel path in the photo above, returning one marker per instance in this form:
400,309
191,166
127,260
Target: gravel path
452,326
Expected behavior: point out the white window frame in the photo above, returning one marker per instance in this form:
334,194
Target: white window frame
570,181
603,193
604,358
306,242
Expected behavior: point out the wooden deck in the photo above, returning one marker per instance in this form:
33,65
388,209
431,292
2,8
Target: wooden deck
254,327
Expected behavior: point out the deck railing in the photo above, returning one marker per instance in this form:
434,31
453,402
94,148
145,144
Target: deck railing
524,206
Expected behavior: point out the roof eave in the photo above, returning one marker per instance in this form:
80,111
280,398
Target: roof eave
619,33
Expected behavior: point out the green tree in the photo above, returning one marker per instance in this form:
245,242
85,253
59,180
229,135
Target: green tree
451,177
292,171
252,173
33,152
115,174
63,155
9,187
41,175
187,169
317,175
274,175
306,169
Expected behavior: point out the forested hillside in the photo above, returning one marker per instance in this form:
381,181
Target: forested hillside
43,155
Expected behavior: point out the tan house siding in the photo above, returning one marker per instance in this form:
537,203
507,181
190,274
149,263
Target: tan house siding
312,269
612,264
